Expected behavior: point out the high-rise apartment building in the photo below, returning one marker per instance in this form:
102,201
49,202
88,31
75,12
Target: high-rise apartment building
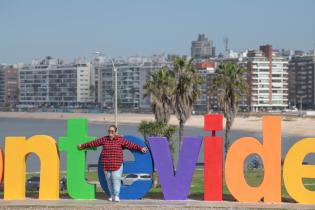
131,77
202,48
302,81
9,86
2,92
54,82
268,79
208,99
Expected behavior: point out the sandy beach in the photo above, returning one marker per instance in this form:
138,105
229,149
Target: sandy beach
290,126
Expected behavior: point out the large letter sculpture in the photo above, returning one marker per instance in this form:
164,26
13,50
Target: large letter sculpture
142,164
77,133
1,166
175,184
213,158
294,171
269,151
16,151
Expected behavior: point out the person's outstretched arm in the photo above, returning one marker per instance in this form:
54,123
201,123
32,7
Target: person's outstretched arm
94,143
131,146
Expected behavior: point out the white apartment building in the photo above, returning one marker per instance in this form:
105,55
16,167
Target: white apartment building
132,75
84,82
268,79
54,82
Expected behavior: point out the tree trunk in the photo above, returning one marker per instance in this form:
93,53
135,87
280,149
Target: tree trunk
227,137
156,183
181,133
155,179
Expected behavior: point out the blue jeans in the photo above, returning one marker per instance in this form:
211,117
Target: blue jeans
113,179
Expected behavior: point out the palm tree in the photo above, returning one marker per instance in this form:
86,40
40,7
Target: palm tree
155,128
187,91
229,84
160,87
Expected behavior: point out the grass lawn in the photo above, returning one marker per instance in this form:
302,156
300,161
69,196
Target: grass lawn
254,178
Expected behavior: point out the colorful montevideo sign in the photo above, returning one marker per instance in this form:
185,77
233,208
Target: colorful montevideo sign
174,184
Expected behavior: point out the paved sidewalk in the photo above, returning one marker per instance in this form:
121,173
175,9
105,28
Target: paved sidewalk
66,204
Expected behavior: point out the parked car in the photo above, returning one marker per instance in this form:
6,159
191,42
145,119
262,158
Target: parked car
33,183
63,184
131,178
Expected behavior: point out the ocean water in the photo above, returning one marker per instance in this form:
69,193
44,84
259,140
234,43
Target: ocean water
57,128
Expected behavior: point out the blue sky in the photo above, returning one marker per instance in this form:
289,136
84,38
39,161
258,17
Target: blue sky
73,28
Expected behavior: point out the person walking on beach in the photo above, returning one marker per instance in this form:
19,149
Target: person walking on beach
112,158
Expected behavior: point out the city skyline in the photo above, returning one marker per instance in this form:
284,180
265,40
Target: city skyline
52,83
34,29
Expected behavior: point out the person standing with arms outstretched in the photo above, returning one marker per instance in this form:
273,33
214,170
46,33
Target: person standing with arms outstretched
112,158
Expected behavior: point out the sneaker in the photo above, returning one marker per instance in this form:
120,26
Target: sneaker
116,199
111,198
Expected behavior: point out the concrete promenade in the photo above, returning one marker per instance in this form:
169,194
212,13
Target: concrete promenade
66,204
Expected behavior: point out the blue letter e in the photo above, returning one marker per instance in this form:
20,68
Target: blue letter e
143,164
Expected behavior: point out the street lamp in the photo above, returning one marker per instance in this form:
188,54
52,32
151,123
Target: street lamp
116,104
301,104
100,82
